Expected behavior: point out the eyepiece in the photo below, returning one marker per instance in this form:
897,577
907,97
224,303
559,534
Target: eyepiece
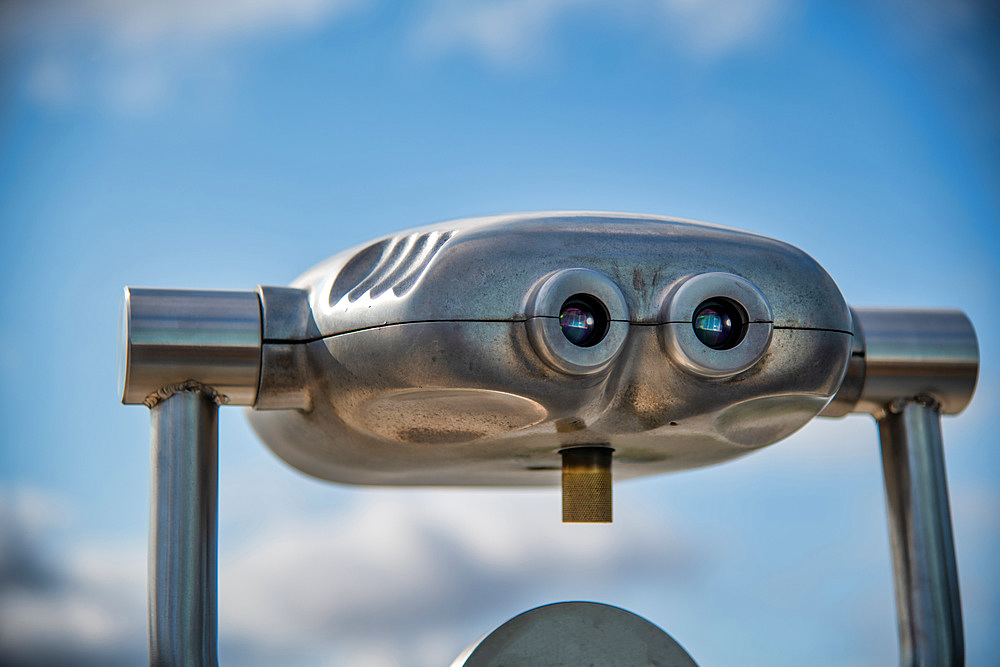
583,320
577,320
719,323
708,330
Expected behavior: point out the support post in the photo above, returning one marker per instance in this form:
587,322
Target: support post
183,542
183,353
923,552
907,368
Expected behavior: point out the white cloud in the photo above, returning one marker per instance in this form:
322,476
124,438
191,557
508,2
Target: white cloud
712,28
140,25
411,577
52,81
416,575
516,32
506,32
24,516
85,607
134,56
398,578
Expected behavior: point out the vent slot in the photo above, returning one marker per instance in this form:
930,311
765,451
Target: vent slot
403,268
393,264
409,280
357,269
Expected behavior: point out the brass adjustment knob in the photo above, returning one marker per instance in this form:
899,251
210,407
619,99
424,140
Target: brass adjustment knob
586,485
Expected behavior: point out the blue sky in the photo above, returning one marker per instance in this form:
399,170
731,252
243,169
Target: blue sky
231,144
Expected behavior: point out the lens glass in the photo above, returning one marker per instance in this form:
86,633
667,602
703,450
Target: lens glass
583,320
719,324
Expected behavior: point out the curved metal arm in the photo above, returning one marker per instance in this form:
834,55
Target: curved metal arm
908,367
185,352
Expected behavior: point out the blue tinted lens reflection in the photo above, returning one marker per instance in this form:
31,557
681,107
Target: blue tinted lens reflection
578,325
713,325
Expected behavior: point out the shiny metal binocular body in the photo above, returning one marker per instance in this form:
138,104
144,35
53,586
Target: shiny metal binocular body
437,356
513,350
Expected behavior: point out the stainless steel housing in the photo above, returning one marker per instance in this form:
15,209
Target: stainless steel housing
433,356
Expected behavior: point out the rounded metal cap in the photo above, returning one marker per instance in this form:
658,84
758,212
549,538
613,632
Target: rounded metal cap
576,633
171,337
906,354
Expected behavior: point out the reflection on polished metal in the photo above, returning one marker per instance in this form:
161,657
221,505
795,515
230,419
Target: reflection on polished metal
383,338
170,336
183,531
923,552
576,633
586,485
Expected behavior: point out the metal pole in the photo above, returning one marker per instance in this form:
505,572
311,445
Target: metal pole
907,368
183,353
923,551
183,529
